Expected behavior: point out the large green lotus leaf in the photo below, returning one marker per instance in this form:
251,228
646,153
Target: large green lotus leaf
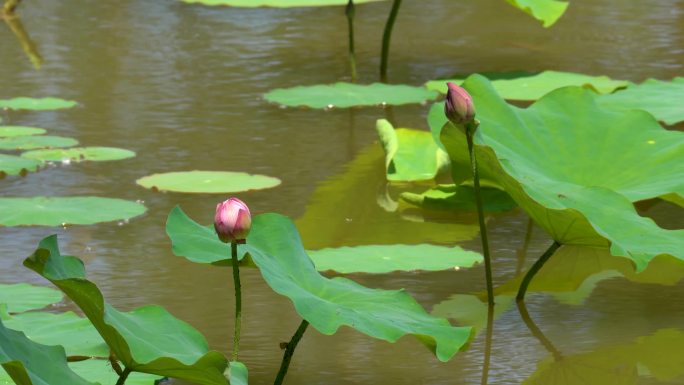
30,363
378,259
343,95
197,243
101,371
327,304
410,155
10,131
664,100
78,154
37,104
275,3
36,141
453,197
352,209
546,11
77,335
237,373
148,339
657,355
575,167
57,211
16,165
208,182
21,297
532,86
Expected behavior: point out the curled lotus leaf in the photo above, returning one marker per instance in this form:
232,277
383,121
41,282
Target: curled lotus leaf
148,339
576,167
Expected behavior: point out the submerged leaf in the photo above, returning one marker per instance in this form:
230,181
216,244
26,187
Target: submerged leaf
453,197
148,339
343,95
378,259
410,155
575,167
208,182
57,211
21,297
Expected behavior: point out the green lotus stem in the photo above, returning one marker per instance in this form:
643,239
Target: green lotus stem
289,351
522,252
535,269
488,345
536,332
470,133
238,300
123,376
10,6
350,12
386,37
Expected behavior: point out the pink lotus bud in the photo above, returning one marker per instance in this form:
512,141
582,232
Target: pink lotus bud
232,221
459,106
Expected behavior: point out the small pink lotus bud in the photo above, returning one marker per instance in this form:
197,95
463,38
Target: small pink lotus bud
459,106
232,221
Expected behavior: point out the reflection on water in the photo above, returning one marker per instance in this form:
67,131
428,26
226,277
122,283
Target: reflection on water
181,85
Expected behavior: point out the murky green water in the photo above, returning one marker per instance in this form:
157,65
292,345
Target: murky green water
181,85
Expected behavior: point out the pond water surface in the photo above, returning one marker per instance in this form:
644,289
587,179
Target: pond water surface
182,86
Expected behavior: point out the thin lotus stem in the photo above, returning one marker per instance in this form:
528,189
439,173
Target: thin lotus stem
10,6
238,300
470,132
289,351
522,252
488,345
386,37
115,363
123,376
536,332
350,12
535,269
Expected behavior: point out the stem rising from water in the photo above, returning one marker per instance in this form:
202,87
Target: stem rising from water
238,300
386,37
535,269
289,351
351,12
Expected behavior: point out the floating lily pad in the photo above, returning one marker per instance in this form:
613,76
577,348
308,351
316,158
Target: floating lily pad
10,131
343,95
208,182
275,3
453,197
664,100
410,155
275,248
16,165
237,373
37,141
576,167
379,259
56,211
148,339
546,11
21,297
78,154
532,86
29,363
37,104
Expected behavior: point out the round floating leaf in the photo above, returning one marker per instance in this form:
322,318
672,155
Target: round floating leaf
532,86
664,100
37,104
389,258
78,154
38,141
327,304
209,182
10,131
342,95
410,155
29,363
21,297
148,339
16,165
77,335
576,167
56,211
275,3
